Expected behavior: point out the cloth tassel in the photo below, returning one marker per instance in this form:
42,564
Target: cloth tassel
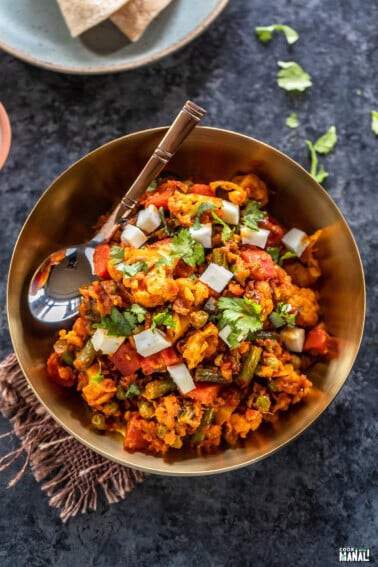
71,474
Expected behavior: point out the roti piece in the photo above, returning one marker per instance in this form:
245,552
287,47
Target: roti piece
133,18
81,15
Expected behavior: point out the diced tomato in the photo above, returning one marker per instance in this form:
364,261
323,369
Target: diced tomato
260,263
276,230
134,439
126,359
101,258
160,360
205,393
202,189
152,363
159,198
317,341
170,356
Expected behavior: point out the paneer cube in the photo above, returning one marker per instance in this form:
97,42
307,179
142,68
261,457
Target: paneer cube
296,241
202,235
150,342
107,344
216,277
133,236
148,219
231,212
256,237
182,377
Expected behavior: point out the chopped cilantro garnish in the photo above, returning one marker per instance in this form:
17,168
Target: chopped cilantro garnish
152,186
122,324
374,121
252,215
323,145
163,318
281,316
133,269
242,315
265,33
132,391
98,377
201,209
227,232
292,120
163,220
184,246
274,252
292,77
117,253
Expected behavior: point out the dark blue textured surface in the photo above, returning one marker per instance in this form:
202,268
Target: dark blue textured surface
320,493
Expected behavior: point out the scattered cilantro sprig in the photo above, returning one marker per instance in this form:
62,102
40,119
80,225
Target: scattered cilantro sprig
374,121
227,232
282,316
252,215
117,254
323,145
122,324
242,315
163,318
292,77
292,120
265,33
201,209
274,252
98,377
184,246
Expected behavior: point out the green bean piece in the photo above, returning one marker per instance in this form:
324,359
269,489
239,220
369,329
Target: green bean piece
146,409
98,421
86,356
67,358
220,258
199,435
250,365
158,388
210,375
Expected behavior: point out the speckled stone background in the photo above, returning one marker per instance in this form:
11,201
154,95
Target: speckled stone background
320,493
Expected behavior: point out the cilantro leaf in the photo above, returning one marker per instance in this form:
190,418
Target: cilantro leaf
292,77
327,142
117,253
281,316
163,220
252,215
184,246
132,269
265,33
152,186
227,232
119,324
132,391
201,209
163,318
274,253
374,121
323,145
242,315
98,377
292,120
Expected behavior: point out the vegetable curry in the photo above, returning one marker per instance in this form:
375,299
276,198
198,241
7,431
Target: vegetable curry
202,322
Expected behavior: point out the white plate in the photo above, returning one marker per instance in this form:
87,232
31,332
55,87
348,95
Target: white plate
36,32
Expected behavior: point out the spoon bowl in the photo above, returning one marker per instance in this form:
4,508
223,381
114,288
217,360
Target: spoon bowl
54,295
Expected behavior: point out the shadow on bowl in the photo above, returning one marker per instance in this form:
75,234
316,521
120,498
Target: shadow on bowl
70,207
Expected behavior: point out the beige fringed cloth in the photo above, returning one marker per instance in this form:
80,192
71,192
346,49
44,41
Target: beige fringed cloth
71,474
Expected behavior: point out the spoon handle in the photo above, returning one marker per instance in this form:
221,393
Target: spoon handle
185,121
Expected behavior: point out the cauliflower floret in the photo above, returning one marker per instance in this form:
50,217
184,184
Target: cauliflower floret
185,207
153,289
201,344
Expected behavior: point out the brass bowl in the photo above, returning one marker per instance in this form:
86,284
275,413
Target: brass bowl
68,209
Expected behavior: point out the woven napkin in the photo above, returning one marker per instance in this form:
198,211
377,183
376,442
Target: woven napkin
71,475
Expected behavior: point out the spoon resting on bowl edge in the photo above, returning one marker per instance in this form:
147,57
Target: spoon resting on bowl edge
53,295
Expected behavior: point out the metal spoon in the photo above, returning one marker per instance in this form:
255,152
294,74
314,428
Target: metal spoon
53,295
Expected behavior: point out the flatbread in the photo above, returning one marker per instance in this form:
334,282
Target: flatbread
81,15
133,18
